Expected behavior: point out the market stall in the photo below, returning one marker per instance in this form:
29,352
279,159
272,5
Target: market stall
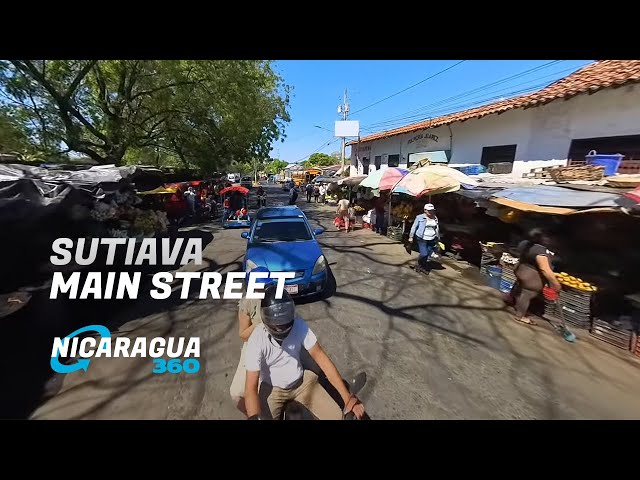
596,254
417,187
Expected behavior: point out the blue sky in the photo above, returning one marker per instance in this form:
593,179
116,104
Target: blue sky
318,86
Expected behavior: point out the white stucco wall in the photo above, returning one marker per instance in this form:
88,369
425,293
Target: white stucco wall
434,139
542,133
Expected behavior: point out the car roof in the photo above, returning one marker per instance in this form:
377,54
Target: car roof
279,212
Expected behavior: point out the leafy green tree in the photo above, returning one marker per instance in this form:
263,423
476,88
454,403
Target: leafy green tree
203,113
13,138
275,166
319,160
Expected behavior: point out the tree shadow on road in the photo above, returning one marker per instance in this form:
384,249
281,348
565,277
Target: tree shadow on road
34,327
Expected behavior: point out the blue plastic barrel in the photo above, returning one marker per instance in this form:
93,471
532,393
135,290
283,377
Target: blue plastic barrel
610,162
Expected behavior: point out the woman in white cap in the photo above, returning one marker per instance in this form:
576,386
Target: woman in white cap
427,233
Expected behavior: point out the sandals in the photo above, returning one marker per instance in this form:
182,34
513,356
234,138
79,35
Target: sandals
526,321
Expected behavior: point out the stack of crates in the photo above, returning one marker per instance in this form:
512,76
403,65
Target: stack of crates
618,337
508,278
576,307
486,260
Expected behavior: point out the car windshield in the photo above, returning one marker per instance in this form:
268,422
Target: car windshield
281,231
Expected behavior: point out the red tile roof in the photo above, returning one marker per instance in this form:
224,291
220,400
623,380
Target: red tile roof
593,77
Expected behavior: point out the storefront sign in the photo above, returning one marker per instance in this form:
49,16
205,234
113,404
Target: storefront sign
364,148
425,136
426,141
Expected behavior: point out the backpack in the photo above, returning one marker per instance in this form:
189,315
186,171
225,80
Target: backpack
294,196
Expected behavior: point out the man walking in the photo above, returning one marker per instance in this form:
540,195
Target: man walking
293,194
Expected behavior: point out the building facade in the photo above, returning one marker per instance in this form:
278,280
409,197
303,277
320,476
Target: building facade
595,108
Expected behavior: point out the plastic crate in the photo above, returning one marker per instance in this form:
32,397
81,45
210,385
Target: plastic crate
612,335
472,169
500,167
576,319
394,233
505,287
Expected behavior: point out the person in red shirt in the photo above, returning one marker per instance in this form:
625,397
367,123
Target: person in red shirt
227,208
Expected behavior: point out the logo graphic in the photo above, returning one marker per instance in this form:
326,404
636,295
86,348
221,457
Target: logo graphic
183,353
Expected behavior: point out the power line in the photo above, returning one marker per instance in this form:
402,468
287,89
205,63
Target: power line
462,107
487,86
324,144
450,106
412,113
409,87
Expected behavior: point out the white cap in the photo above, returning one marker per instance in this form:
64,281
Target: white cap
429,206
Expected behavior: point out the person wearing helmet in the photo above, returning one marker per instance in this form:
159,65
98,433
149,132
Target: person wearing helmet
275,374
248,317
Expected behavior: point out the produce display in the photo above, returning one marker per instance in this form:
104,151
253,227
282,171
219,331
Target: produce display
122,219
576,283
406,210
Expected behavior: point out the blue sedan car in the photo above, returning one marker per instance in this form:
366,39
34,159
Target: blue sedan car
282,240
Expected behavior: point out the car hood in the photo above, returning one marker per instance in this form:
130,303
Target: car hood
285,256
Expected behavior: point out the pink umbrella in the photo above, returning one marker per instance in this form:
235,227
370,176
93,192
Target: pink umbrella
384,179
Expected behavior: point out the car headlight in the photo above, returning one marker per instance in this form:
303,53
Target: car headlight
251,265
320,266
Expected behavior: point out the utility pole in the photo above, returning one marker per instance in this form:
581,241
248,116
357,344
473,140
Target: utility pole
344,110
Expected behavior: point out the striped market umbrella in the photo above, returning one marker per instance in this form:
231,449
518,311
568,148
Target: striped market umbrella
432,180
384,179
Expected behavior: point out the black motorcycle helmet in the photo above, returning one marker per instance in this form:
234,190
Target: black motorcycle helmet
278,314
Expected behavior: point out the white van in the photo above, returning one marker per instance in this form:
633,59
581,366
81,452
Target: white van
233,177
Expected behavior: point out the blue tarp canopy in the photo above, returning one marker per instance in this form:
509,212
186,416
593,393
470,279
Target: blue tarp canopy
552,196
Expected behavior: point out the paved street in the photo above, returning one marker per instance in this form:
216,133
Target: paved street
434,348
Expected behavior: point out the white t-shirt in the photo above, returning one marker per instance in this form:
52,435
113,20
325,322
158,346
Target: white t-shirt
279,365
430,229
343,204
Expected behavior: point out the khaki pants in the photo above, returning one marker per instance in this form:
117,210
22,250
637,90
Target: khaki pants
240,378
309,393
344,215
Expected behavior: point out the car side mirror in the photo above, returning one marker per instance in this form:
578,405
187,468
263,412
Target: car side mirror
244,234
318,231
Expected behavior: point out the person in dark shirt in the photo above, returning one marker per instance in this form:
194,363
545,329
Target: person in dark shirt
533,271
